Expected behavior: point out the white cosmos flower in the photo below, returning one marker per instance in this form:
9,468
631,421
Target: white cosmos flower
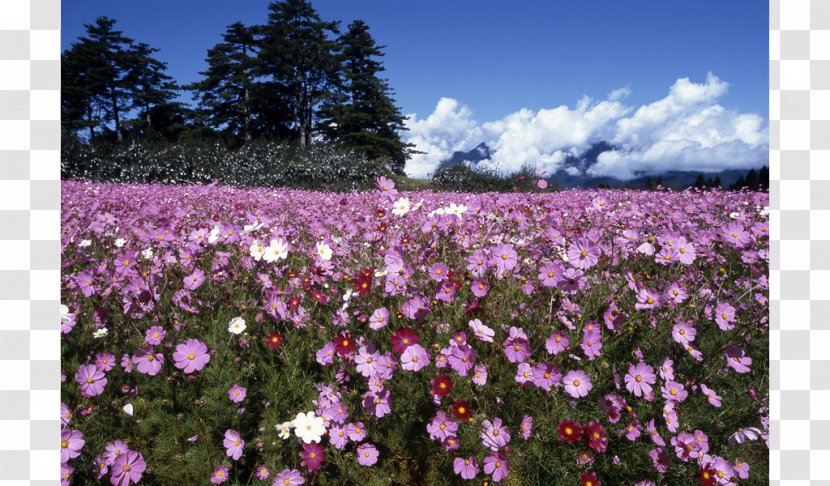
324,251
735,215
417,206
401,206
85,243
308,427
257,250
237,325
100,333
213,236
284,430
348,295
147,254
456,209
120,242
250,228
277,250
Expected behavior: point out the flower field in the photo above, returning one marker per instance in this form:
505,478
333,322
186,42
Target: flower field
260,336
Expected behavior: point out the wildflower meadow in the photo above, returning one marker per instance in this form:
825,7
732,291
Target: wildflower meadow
218,335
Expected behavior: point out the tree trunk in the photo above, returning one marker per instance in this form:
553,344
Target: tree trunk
89,121
246,113
119,137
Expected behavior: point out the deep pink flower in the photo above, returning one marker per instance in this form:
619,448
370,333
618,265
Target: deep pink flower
105,361
639,379
462,359
220,475
147,361
154,335
312,457
725,316
191,356
504,258
583,254
516,349
557,342
194,280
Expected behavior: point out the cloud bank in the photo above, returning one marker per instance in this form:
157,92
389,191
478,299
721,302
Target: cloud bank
686,130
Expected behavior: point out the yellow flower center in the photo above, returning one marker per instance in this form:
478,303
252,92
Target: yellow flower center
576,382
583,253
64,444
191,356
639,378
127,468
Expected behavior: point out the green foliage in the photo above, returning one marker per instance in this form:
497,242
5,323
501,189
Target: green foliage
463,178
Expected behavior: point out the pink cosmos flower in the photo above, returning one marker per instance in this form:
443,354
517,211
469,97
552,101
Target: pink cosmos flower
550,273
675,391
440,427
366,361
632,432
583,254
524,374
639,379
647,299
541,184
414,358
481,331
683,333
338,436
504,258
379,319
312,456
497,466
557,342
660,460
377,403
686,251
127,469
72,441
91,380
480,375
262,472
546,376
494,435
194,280
148,362
462,359
654,434
105,361
386,186
737,359
516,349
478,262
725,316
735,234
526,427
233,444
191,356
479,288
438,271
154,335
466,468
577,383
237,393
367,454
591,344
711,395
289,477
356,431
113,450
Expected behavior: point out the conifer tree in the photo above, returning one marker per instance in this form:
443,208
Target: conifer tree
364,115
298,57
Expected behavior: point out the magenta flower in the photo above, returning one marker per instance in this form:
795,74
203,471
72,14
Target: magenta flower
737,359
725,316
673,390
639,379
289,477
633,431
524,374
497,466
377,403
683,333
312,457
526,426
438,271
414,358
379,319
154,335
220,475
105,361
495,436
367,454
504,258
72,441
127,469
462,359
583,254
194,280
654,434
591,344
577,383
441,427
711,395
480,375
262,472
113,450
479,288
550,273
191,356
466,468
647,299
516,349
557,342
736,235
146,361
367,360
91,380
546,376
356,431
233,444
660,460
237,393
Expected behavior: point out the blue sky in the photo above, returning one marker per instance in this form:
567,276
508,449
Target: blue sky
496,57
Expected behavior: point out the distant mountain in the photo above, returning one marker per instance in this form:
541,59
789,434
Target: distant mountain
574,170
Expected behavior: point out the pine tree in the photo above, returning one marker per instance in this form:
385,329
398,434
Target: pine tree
151,88
740,183
752,179
700,183
227,92
717,184
364,115
78,100
107,53
763,178
299,58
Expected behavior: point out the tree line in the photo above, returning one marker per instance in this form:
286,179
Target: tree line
296,78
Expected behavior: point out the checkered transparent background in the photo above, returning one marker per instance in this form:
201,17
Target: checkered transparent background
30,246
29,241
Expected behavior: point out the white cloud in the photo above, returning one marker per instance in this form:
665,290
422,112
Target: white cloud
687,130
